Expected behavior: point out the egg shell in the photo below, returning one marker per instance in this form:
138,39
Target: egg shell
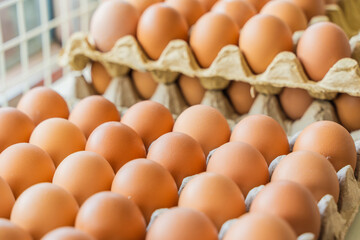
240,96
100,78
295,102
192,10
9,230
7,199
208,3
141,5
144,83
67,233
258,4
347,108
191,89
311,8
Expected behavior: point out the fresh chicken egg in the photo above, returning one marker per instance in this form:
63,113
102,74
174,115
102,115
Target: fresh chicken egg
191,89
192,10
208,4
9,230
258,4
295,102
67,233
141,5
100,78
7,199
240,96
311,8
347,108
144,84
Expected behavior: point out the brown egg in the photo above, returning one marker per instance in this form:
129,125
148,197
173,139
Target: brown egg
331,140
41,103
205,124
144,84
320,47
108,215
179,153
182,223
311,8
91,112
262,38
242,163
84,174
239,10
258,4
291,202
23,165
287,11
192,10
111,21
347,108
100,78
7,199
321,180
158,25
141,5
67,233
208,4
191,89
240,96
117,143
295,102
10,132
263,133
148,184
59,138
254,226
215,195
44,207
10,231
210,34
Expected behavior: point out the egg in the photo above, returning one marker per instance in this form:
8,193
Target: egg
210,34
240,96
208,3
262,38
239,10
287,11
7,199
295,102
141,5
158,25
148,119
59,138
9,230
44,207
320,47
148,184
242,163
100,78
144,84
111,21
321,180
263,133
10,132
192,10
347,109
215,195
191,89
67,233
23,165
260,226
331,140
117,143
84,174
108,215
205,124
184,223
91,112
180,154
258,4
41,103
311,8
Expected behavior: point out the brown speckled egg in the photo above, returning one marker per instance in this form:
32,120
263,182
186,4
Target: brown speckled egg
258,4
182,223
239,10
311,8
83,174
320,47
263,133
10,231
295,102
158,25
23,165
59,138
291,202
262,38
192,10
111,21
7,199
91,112
331,140
191,89
141,5
255,226
208,4
179,153
210,34
240,96
10,132
100,78
215,195
205,124
144,84
108,215
41,103
242,163
67,233
117,143
43,208
148,184
347,108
